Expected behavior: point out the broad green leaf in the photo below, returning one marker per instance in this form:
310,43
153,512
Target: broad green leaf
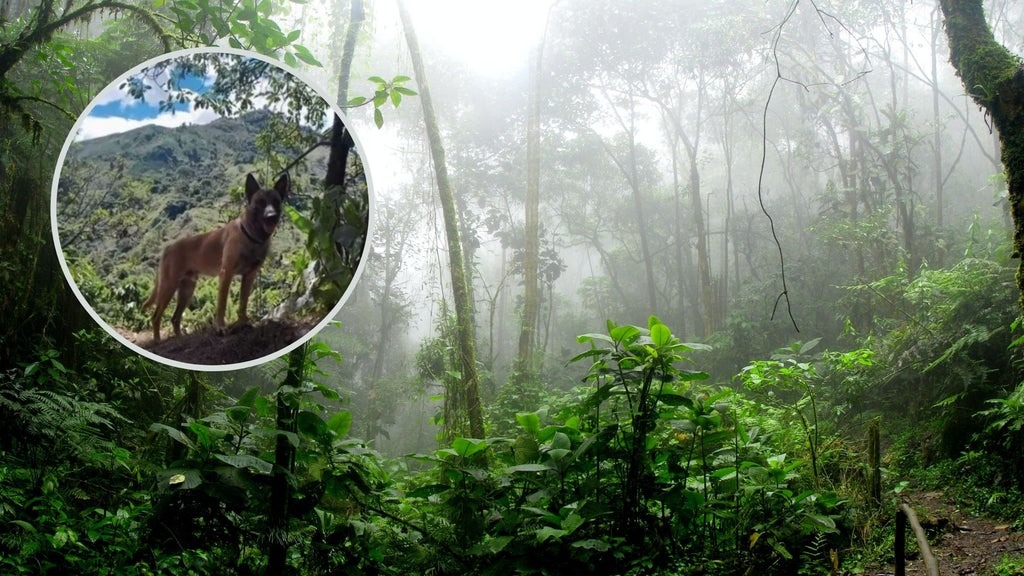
239,414
246,461
24,525
340,423
660,335
809,345
174,433
530,421
592,544
310,424
466,447
561,441
547,533
248,397
378,118
428,491
357,101
528,468
497,543
626,334
306,56
588,337
399,79
675,399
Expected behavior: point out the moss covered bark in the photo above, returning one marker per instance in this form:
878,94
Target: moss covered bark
994,78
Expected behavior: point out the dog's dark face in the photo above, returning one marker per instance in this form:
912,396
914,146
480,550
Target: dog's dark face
263,205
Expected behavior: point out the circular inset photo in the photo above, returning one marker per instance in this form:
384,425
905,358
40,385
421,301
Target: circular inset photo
210,209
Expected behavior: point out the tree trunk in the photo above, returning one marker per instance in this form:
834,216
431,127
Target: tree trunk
936,120
995,80
460,282
284,465
525,363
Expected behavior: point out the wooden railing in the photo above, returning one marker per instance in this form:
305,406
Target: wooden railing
903,514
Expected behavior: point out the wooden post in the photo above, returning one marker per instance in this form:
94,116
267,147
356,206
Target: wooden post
900,561
875,464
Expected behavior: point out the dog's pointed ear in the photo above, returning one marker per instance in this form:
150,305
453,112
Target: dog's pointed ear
283,185
251,186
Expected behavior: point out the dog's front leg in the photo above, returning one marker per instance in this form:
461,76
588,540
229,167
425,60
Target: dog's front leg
222,296
248,279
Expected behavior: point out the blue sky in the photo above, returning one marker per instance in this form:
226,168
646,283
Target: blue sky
115,111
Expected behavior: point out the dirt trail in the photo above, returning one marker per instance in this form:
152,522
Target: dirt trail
963,545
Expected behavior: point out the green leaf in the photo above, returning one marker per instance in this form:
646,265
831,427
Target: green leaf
182,479
311,425
248,398
378,117
306,56
624,334
290,59
407,92
245,461
396,98
660,335
530,421
399,79
809,345
592,544
340,423
24,525
497,543
547,533
588,337
467,447
357,101
239,414
561,441
174,433
675,400
528,468
428,491
378,80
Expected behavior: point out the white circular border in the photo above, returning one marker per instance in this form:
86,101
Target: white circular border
328,318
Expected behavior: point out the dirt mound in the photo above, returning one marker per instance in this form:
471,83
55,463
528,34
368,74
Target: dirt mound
238,344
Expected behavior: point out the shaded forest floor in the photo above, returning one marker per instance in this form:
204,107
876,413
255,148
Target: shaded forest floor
239,344
963,544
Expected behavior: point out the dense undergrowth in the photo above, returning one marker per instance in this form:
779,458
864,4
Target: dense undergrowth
647,468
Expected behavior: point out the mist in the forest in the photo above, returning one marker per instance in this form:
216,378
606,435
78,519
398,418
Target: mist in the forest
689,154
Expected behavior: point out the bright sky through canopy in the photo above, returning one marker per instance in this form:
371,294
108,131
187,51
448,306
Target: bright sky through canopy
490,36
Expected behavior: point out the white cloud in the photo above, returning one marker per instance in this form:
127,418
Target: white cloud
94,127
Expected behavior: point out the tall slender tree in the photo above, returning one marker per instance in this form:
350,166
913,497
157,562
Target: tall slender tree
469,395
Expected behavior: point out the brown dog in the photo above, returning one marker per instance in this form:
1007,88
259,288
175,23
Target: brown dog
238,247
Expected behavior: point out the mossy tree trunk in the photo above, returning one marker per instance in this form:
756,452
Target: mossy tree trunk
994,77
469,395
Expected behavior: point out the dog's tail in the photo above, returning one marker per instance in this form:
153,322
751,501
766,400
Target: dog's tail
156,288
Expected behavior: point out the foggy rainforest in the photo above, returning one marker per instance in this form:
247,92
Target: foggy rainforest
680,287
